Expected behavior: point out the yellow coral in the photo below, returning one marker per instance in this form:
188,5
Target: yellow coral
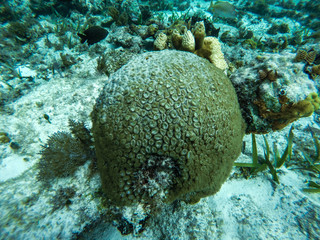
161,41
152,29
313,103
211,50
289,112
188,42
176,39
196,42
199,34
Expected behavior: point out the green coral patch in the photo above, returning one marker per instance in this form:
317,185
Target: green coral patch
166,105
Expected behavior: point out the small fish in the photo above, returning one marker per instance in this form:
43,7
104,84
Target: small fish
222,9
93,35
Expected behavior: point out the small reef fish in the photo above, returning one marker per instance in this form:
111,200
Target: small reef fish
93,35
222,9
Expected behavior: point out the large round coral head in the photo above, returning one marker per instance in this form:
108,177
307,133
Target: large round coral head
166,126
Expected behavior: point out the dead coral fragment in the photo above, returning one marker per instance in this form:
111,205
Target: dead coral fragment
20,31
62,198
289,112
155,178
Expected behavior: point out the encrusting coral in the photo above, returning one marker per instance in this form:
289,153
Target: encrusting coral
193,41
289,112
274,92
163,107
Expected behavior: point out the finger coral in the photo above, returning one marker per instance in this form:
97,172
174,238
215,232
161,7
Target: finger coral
176,39
162,106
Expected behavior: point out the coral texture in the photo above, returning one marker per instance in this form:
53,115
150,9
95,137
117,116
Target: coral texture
199,34
196,42
61,156
211,50
131,7
188,42
289,112
63,152
301,55
316,69
176,39
161,41
166,105
274,92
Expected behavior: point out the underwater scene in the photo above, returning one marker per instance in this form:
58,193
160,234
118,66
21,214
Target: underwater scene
161,120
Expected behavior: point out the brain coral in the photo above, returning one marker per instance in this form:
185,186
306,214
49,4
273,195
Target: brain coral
166,105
